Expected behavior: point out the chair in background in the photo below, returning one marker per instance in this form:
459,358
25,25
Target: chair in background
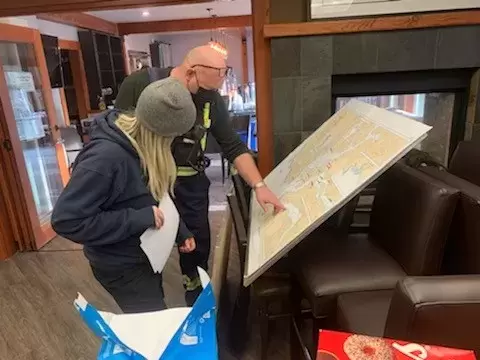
438,310
462,254
411,216
465,162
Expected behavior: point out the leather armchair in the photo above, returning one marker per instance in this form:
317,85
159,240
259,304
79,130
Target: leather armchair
411,216
465,162
438,310
462,253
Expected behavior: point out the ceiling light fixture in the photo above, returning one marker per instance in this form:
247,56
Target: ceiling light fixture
215,33
145,13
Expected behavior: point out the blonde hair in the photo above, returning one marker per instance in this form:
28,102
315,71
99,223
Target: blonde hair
155,155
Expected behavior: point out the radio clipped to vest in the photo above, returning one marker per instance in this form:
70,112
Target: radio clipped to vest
189,149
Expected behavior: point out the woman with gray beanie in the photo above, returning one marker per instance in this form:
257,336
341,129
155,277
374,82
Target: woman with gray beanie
117,182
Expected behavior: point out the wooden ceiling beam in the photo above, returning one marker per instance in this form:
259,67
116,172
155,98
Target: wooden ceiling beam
33,7
184,25
377,23
82,20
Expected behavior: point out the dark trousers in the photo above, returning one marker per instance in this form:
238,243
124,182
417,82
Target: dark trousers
136,288
191,199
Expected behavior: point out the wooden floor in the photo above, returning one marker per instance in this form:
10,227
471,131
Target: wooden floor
39,322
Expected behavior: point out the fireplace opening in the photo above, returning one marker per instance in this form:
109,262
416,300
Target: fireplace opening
435,98
434,109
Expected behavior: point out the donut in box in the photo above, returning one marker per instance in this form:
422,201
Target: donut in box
342,346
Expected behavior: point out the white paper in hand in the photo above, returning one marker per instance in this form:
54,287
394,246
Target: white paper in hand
158,244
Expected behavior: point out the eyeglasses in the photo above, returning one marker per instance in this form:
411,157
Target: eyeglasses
222,72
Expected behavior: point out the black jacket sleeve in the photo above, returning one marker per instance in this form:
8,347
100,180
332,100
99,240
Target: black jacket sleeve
222,130
183,233
78,214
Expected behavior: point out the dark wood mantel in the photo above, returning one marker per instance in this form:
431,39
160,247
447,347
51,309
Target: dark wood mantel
377,23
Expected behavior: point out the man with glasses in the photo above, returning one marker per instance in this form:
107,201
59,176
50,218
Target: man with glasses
203,72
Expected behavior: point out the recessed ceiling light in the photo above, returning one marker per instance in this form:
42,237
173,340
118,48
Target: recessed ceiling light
146,13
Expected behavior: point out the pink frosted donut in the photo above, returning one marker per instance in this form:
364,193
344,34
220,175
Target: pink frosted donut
359,347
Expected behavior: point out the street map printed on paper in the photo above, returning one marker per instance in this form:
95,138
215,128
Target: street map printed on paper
336,162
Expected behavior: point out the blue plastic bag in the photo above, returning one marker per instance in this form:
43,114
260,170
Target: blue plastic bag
196,336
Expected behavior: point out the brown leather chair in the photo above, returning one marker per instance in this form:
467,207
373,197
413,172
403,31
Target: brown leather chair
437,310
410,219
411,216
462,253
465,162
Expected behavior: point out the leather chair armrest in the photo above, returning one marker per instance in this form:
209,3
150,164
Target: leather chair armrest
463,185
439,310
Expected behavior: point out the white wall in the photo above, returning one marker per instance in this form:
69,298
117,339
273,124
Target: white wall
183,42
64,32
138,42
322,9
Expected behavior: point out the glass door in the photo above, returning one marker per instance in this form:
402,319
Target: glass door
35,133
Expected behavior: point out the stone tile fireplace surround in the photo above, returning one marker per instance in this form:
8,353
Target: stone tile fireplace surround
302,70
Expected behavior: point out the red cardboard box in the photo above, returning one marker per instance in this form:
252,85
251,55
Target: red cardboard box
341,346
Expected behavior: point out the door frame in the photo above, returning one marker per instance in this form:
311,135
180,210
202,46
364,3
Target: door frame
78,74
42,232
22,237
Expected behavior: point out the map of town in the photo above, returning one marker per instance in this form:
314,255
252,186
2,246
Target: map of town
346,153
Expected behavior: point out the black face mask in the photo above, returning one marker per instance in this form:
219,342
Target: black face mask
204,94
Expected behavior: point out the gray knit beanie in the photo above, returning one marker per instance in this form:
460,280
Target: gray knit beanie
166,108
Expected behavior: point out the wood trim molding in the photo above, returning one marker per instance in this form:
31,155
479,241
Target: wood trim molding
63,100
68,45
33,7
377,23
82,20
184,25
18,33
25,205
78,74
263,80
26,215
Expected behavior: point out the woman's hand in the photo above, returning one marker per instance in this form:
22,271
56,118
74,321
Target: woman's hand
188,246
159,217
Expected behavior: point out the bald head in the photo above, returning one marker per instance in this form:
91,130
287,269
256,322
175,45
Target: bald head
205,55
203,67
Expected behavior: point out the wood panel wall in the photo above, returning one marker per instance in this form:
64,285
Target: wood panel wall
184,25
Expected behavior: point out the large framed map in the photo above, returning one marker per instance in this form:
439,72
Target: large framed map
349,151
